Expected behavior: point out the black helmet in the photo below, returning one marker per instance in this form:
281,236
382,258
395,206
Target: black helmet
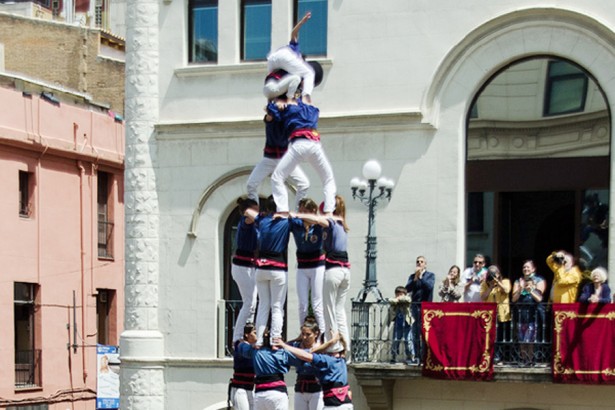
318,73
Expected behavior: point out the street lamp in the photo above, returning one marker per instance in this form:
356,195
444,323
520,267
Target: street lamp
370,191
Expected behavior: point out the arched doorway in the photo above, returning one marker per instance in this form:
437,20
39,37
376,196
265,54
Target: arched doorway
538,166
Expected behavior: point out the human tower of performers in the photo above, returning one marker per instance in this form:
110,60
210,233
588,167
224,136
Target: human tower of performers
260,267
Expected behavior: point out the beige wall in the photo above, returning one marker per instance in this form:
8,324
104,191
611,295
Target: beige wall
64,55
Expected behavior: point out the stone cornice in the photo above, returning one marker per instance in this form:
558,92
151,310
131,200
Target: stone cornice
336,123
201,70
565,136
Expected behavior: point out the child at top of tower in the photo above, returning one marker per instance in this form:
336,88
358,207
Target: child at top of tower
288,70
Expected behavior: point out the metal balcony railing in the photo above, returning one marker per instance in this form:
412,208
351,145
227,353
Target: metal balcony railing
373,336
231,310
27,368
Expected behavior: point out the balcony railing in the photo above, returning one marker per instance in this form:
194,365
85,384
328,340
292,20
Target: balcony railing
231,310
27,368
372,335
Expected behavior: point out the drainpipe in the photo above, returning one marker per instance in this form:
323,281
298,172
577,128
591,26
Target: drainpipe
82,249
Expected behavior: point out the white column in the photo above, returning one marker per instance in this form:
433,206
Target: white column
141,343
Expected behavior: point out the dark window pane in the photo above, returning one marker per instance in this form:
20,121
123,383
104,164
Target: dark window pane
566,89
256,29
313,35
567,95
204,35
475,212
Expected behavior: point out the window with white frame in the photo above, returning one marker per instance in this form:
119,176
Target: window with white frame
313,35
255,29
203,36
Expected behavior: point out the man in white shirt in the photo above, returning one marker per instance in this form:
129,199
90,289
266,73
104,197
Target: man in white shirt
472,277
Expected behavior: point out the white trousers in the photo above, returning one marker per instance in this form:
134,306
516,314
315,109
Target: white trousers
270,400
335,290
308,401
242,399
265,167
291,62
311,279
244,277
271,286
303,150
286,85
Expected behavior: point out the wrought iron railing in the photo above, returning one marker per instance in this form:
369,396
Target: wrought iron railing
231,310
27,368
373,336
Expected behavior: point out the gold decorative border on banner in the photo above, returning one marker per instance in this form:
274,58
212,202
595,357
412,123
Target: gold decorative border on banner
559,318
485,315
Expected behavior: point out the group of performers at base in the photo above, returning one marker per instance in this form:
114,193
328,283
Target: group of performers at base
260,263
322,375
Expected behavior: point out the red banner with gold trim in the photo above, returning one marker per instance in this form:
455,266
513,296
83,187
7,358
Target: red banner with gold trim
584,343
459,340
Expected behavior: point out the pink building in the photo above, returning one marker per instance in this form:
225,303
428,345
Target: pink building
61,243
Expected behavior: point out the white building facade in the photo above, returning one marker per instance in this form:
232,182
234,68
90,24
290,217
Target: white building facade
401,80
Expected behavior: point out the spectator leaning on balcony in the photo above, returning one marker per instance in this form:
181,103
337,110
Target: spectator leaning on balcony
472,278
527,294
420,288
399,315
495,288
450,289
597,291
566,279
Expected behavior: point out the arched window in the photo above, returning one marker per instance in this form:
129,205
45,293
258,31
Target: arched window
231,294
538,166
232,298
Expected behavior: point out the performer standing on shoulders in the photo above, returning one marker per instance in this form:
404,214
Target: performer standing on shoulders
271,269
310,262
300,122
276,145
243,267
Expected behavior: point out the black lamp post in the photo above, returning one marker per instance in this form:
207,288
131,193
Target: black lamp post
370,191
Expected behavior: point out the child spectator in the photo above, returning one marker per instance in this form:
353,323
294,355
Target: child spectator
399,315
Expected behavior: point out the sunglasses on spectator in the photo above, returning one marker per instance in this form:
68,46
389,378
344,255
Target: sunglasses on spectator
479,262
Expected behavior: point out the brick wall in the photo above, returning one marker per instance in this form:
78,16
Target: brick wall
64,55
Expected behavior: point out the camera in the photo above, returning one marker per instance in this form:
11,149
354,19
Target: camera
559,259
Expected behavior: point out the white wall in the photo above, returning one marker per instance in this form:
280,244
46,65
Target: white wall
399,80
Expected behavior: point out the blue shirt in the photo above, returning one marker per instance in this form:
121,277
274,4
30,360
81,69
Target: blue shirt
295,116
273,234
307,241
267,361
335,238
247,238
330,369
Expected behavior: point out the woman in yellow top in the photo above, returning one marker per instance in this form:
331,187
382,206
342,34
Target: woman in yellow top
566,278
495,288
